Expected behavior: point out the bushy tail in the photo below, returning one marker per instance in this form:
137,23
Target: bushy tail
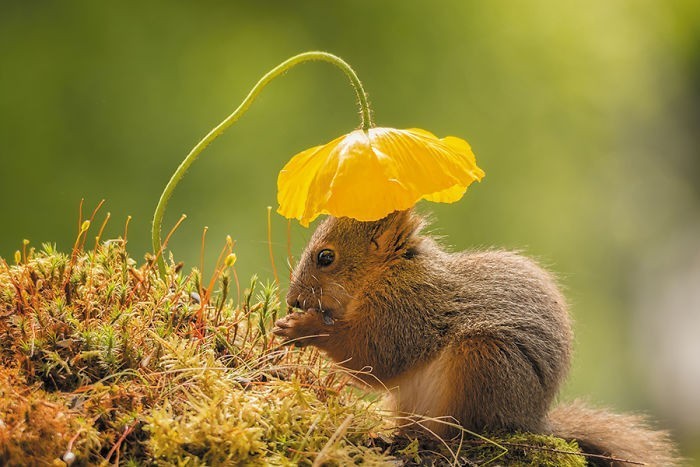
622,440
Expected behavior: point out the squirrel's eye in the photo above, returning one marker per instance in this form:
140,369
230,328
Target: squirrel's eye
325,257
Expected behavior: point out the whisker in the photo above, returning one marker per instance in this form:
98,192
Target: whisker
319,299
344,290
340,285
337,301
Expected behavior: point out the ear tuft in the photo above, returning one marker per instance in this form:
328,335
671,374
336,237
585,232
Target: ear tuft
396,235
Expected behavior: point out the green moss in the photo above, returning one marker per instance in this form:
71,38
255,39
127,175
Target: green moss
104,361
527,449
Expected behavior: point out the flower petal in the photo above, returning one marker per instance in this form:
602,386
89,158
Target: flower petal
367,175
365,187
296,178
449,195
427,165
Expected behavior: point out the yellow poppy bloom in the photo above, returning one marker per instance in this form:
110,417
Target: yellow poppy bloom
367,175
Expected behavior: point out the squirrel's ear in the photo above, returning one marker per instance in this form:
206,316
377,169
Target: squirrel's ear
396,234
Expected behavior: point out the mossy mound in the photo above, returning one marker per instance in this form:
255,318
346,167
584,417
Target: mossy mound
105,363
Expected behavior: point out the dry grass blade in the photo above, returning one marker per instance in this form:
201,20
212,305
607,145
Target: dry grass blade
321,458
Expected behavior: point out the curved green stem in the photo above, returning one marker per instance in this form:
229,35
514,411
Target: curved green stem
228,121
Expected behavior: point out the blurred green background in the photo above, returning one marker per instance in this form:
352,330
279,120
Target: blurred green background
585,116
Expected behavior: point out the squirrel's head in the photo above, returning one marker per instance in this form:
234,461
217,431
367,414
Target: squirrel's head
344,257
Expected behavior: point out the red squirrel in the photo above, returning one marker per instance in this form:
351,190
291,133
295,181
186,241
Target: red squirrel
481,338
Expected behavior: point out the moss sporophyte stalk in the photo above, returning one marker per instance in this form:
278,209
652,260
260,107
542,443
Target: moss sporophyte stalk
365,174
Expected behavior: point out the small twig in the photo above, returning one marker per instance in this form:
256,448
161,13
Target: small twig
73,439
117,445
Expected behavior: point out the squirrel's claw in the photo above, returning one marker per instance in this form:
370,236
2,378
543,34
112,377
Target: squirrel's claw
300,327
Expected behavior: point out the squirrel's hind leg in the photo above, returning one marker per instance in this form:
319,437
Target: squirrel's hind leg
420,400
479,383
495,386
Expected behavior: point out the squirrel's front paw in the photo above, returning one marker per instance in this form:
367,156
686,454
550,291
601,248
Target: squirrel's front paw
300,328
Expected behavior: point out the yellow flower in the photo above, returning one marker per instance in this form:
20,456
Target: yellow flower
367,175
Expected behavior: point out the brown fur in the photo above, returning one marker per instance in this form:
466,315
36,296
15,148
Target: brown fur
624,436
482,338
